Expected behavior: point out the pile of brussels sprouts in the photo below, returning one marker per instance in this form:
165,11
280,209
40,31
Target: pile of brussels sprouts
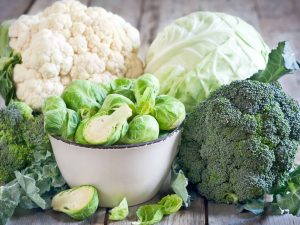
123,112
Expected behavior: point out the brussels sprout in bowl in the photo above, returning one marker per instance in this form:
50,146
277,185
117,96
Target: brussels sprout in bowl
134,171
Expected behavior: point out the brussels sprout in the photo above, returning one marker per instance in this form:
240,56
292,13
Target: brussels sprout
78,135
106,87
58,120
142,128
169,112
121,84
79,202
55,112
114,101
107,129
85,97
145,90
70,125
126,93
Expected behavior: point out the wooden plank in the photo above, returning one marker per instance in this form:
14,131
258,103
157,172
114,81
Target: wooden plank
13,9
130,10
49,217
40,5
222,214
157,14
191,216
241,8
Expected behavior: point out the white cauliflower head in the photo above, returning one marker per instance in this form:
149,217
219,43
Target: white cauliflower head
69,41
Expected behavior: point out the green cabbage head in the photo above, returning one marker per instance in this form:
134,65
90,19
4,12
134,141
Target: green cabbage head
198,53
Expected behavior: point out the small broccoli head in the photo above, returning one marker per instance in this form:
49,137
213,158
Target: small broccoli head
20,136
241,141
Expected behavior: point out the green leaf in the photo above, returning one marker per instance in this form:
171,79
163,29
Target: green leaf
281,61
28,185
179,185
171,204
5,50
8,59
9,200
149,214
120,212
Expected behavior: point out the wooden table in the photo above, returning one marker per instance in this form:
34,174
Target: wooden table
276,20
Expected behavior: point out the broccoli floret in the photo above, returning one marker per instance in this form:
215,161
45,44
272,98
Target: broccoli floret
21,135
241,141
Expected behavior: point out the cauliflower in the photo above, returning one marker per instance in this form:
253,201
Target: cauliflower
69,41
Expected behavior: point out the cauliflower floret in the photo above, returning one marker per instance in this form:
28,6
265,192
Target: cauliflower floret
49,60
79,44
86,65
21,31
22,73
35,91
69,41
57,22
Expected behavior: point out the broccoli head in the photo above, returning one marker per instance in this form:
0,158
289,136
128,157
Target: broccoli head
21,135
241,141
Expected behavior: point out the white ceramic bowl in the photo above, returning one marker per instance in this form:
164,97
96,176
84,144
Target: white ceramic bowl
136,172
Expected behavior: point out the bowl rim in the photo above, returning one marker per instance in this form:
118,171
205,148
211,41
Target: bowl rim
121,146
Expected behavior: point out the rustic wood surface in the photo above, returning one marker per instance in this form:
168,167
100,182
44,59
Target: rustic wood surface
276,20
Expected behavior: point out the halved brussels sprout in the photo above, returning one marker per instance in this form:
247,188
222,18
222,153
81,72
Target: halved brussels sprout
107,129
169,112
79,202
142,128
114,101
58,120
79,132
145,90
85,97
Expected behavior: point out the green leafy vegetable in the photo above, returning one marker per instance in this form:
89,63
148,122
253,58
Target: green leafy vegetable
281,62
8,60
142,128
9,200
79,202
170,204
120,212
179,185
198,53
149,214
